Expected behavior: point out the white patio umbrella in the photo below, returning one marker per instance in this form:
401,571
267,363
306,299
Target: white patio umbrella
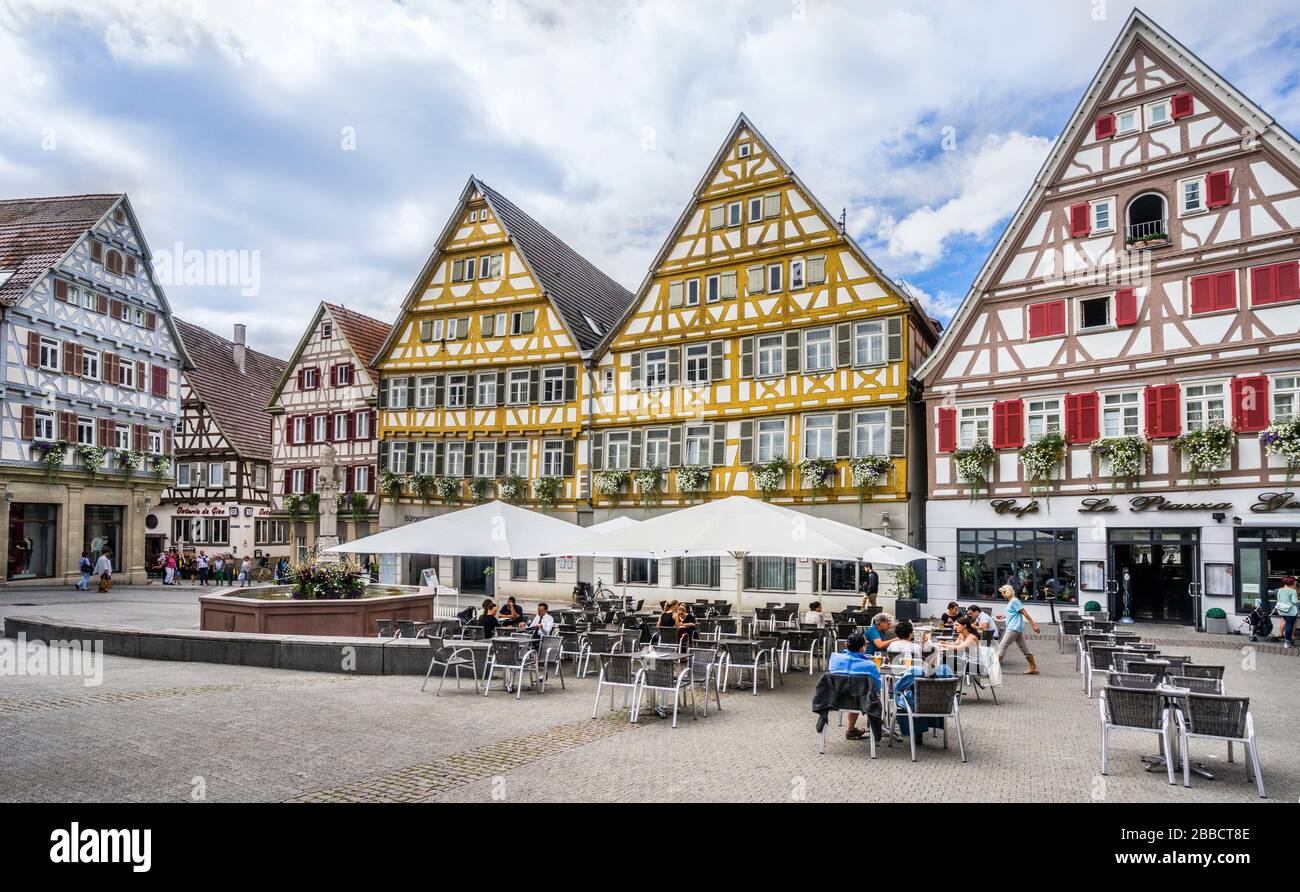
493,529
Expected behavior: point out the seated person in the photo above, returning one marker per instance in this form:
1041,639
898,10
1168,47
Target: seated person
983,620
814,616
967,636
949,616
488,620
669,616
854,661
543,622
903,647
685,619
879,635
510,614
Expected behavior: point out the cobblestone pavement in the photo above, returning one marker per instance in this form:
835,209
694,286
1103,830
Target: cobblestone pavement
156,731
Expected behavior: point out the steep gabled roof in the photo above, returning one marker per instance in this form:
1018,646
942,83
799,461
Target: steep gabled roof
236,401
1138,26
589,302
36,233
365,334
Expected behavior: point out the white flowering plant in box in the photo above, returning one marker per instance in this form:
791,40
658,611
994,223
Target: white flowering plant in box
610,484
1041,459
391,484
53,452
129,460
1126,456
1282,438
162,465
974,464
512,488
546,490
817,474
448,488
867,472
1206,450
649,482
693,478
770,477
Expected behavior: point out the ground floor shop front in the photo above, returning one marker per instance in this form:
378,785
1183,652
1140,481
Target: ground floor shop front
1151,557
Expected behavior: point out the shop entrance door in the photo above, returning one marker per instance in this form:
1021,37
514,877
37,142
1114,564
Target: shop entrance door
1152,571
475,575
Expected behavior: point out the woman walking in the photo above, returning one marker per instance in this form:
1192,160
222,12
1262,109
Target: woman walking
1288,607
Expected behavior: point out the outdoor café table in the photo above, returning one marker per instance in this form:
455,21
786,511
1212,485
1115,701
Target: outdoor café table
647,657
1173,697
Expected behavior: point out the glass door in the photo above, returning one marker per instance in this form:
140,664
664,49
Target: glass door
1152,572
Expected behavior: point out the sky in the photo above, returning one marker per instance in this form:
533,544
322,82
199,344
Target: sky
324,144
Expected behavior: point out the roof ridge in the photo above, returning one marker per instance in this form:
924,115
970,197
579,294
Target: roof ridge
62,197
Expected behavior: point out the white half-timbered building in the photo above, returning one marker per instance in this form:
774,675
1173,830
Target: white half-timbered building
1138,321
91,364
326,397
220,501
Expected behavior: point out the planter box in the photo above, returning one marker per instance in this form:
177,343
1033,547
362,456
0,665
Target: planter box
907,608
1216,626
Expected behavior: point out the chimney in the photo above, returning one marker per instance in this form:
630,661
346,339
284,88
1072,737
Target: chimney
239,347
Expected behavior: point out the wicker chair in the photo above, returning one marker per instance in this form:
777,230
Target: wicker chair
704,665
386,628
936,698
631,639
512,657
1134,680
550,652
1120,659
449,657
616,671
667,637
573,644
473,633
599,643
1192,670
1070,627
1197,685
1086,640
668,676
1151,674
1213,717
810,644
1132,709
747,656
1099,660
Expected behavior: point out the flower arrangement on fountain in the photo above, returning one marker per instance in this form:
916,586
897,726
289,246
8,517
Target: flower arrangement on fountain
1282,438
162,465
1206,450
693,478
974,464
92,458
53,452
546,490
344,580
512,488
817,474
422,486
650,483
480,488
448,489
391,484
293,505
1126,456
770,477
610,484
867,472
1041,458
129,460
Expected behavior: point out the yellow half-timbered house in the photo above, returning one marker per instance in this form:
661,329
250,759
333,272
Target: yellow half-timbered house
764,355
482,392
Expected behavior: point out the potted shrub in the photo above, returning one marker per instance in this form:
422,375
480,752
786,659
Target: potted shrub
1091,607
906,585
1216,621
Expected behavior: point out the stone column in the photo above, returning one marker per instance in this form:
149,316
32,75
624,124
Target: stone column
327,484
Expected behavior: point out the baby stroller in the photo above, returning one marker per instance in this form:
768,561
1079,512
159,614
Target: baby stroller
1259,622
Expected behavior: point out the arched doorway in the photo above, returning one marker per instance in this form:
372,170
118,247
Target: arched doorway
1147,219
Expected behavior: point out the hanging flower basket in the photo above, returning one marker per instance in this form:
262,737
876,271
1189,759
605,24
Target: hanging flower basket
546,490
391,484
650,483
512,488
1126,456
693,479
53,452
817,474
769,478
292,505
1282,438
1041,459
974,464
162,465
1206,450
422,486
480,488
92,458
313,503
448,489
129,460
867,472
610,484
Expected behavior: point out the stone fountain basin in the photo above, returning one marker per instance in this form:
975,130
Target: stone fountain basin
271,610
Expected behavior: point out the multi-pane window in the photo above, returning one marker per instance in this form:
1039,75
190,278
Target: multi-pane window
52,353
870,433
183,475
485,460
397,459
697,363
771,439
487,389
518,387
1205,406
122,436
1044,562
341,426
259,476
775,273
90,364
656,448
126,374
85,430
517,458
1286,398
457,390
155,441
819,436
696,444
426,458
319,425
552,458
298,479
656,368
973,426
553,384
697,572
397,393
1042,417
361,479
618,451
817,350
636,571
216,475
519,569
455,459
300,429
796,274
869,342
770,573
44,425
521,323
1191,195
310,378
771,355
271,532
546,569
342,375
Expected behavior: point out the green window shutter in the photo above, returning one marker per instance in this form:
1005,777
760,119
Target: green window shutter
792,366
383,455
501,388
383,394
634,362
501,459
438,399
634,449
469,391
467,466
746,443
898,432
534,381
410,455
746,357
894,327
843,434
844,344
567,462
674,366
570,383
718,445
597,450
439,457
716,360
675,446
410,392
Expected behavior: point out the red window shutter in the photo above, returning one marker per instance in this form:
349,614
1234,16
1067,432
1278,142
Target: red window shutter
68,426
1080,220
374,431
947,437
300,375
1275,283
1202,294
1181,105
1288,281
1225,290
116,306
309,480
101,303
167,442
370,479
96,251
151,321
33,348
130,265
1126,311
1008,424
29,422
1218,189
140,369
103,432
1104,127
60,290
70,358
288,480
1250,404
1163,403
158,381
350,480
288,430
1081,417
1047,319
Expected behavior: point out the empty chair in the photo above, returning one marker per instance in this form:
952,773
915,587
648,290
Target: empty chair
550,655
1176,664
1099,660
407,628
746,656
599,643
811,645
1121,658
1137,680
573,644
386,628
472,633
450,658
1199,685
703,663
667,677
1131,709
616,671
1087,640
935,698
1192,670
1152,672
1214,717
1070,627
512,658
631,639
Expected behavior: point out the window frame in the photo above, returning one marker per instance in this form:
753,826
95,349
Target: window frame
1183,210
826,363
1050,407
695,356
1204,401
1292,391
822,435
980,416
858,335
764,454
861,422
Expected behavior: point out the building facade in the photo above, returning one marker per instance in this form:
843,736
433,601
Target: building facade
220,497
482,392
325,398
91,365
764,355
1101,405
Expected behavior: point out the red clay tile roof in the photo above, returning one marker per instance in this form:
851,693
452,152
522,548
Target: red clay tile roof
36,232
237,402
366,335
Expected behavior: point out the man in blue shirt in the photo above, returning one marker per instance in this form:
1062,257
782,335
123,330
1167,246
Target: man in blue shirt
853,661
1016,617
879,636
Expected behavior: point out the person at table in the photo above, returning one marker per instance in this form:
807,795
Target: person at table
853,660
968,636
814,616
869,585
668,618
684,616
543,623
509,613
489,620
1288,607
879,634
903,646
949,616
1016,617
983,620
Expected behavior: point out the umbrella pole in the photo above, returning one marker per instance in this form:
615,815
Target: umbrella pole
739,558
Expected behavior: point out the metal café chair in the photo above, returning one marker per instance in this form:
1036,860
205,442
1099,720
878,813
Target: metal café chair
667,676
1086,640
473,633
1135,680
449,657
1214,717
407,628
573,644
512,657
1198,685
550,653
1133,709
936,698
667,636
704,663
599,643
617,670
748,656
1194,670
386,628
1099,660
631,639
810,644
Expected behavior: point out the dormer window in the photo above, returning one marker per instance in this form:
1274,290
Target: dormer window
113,261
326,330
743,150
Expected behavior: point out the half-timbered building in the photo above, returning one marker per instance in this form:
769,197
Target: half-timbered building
325,397
91,366
1102,406
482,392
766,355
220,498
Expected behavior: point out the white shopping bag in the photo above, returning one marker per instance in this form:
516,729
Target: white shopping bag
990,666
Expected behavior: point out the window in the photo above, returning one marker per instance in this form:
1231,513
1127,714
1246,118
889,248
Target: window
517,458
618,451
1094,312
125,313
1103,215
342,375
319,425
1205,406
340,426
718,217
819,436
636,571
1039,563
607,380
546,569
869,343
90,364
1191,196
973,426
697,443
486,394
216,475
271,532
1286,398
871,433
697,363
431,330
817,350
126,374
656,448
43,428
1127,121
138,316
259,476
299,477
155,442
743,150
754,280
553,384
457,391
552,458
656,368
697,572
52,353
755,209
517,385
455,460
310,378
771,439
469,269
522,323
728,286
796,274
816,272
519,569
426,458
1158,114
397,458
88,299
361,479
489,266
361,426
122,436
85,431
775,272
326,330
769,574
733,214
300,429
713,289
485,460
183,475
1147,220
771,356
692,292
1042,418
